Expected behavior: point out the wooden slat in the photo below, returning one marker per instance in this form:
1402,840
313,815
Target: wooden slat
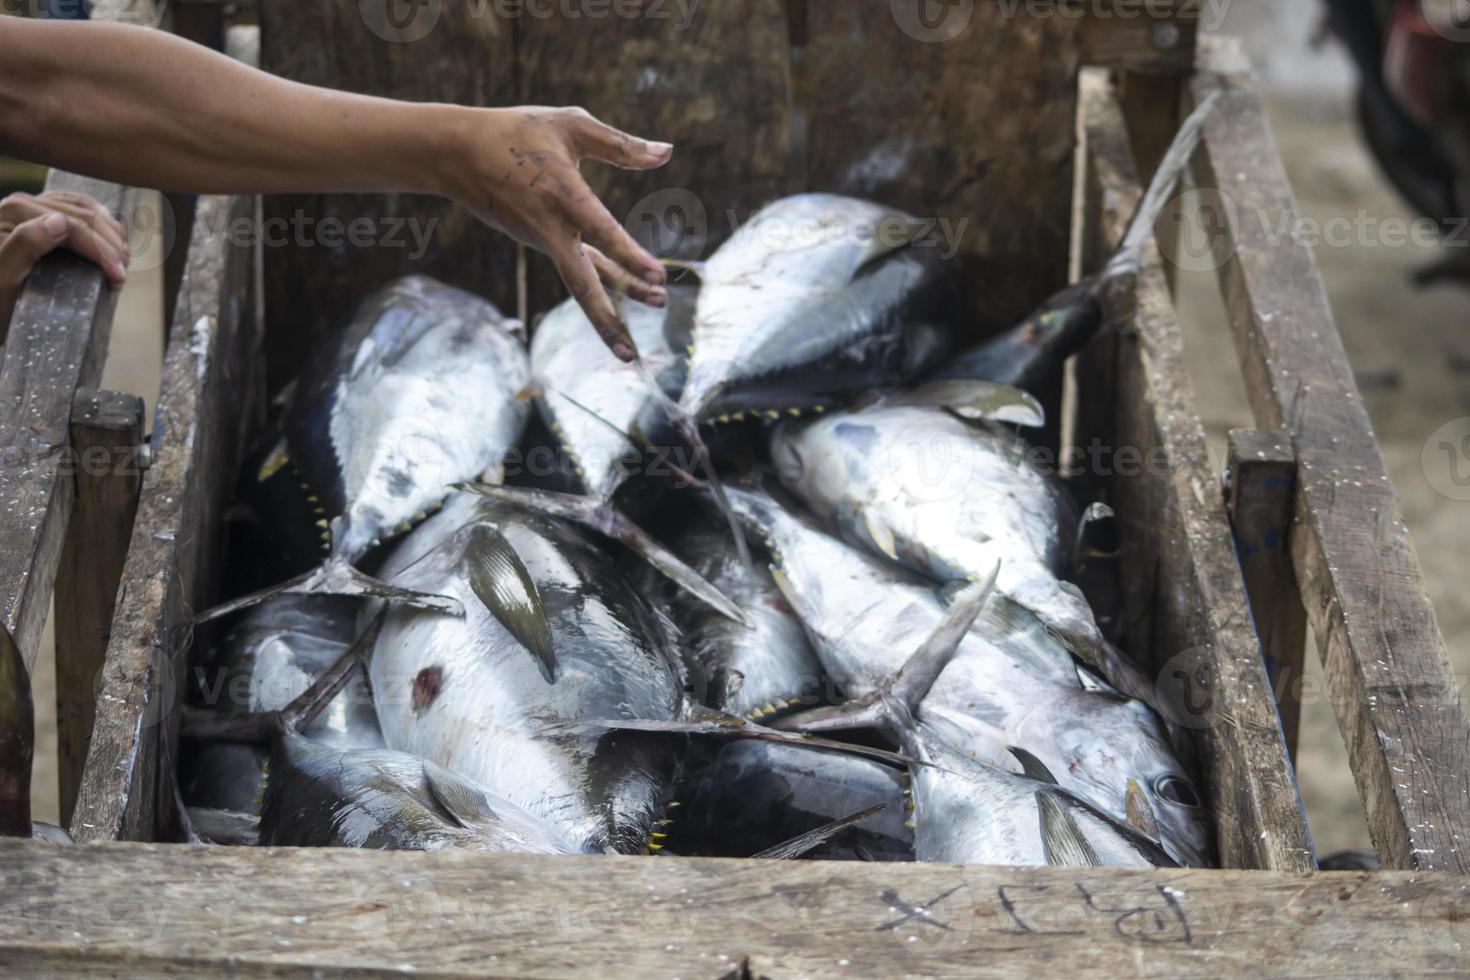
1395,693
1261,488
715,81
57,343
128,908
466,56
1152,39
1186,611
209,384
977,129
105,462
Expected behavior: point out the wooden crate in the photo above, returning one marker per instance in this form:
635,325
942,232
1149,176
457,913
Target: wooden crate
766,97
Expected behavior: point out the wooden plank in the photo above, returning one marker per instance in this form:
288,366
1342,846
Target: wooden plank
715,80
1186,612
135,908
210,383
1148,39
1394,690
106,447
1260,490
57,343
968,117
314,274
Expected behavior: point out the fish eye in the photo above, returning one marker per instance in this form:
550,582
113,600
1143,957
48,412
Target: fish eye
1177,791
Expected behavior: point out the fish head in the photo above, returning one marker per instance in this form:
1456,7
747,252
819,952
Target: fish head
818,460
1122,755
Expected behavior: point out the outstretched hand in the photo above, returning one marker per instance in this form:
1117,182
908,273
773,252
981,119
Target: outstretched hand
33,226
523,180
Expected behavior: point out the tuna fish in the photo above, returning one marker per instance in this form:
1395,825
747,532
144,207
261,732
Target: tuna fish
269,659
322,796
419,393
468,695
815,298
1008,682
744,796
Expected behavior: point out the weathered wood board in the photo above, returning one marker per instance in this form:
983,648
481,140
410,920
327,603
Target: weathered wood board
107,464
128,908
1396,696
57,343
314,274
1186,612
211,378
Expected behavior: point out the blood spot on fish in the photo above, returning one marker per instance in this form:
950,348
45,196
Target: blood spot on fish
426,686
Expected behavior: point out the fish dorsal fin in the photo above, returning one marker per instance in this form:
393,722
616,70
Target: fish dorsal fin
502,582
812,839
1061,838
1033,767
461,799
1140,813
978,401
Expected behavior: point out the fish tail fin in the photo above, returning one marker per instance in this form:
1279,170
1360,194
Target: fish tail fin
607,520
1125,260
688,428
812,839
295,717
335,577
17,739
892,704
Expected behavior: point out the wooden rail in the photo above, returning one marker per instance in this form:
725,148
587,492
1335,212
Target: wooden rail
1134,392
1396,696
131,908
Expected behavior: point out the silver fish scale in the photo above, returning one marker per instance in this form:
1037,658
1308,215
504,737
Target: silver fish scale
409,420
589,397
969,813
1010,683
325,797
791,256
463,693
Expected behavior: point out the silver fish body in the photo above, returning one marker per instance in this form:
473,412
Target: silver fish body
943,497
270,658
419,393
747,796
320,796
815,297
464,693
1010,683
966,812
591,401
754,670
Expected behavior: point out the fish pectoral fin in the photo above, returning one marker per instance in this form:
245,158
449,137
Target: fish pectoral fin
1032,767
608,521
881,535
1061,838
918,675
978,401
336,577
460,798
502,582
797,846
869,712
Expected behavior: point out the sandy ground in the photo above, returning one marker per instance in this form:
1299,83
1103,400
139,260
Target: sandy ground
1404,343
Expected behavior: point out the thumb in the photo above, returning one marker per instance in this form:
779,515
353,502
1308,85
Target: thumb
27,243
